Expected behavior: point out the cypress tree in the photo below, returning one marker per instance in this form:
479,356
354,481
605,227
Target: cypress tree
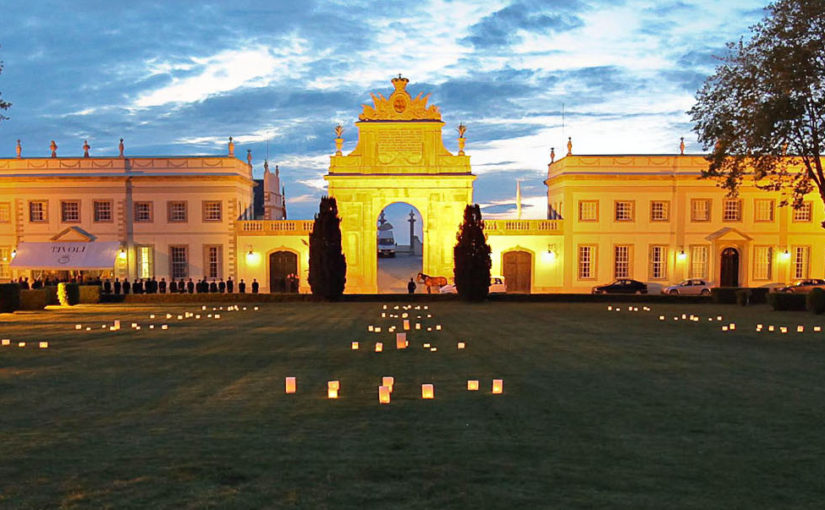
327,263
471,257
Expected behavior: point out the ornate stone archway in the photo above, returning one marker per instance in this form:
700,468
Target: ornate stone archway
400,157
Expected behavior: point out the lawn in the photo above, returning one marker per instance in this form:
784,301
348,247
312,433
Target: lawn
600,409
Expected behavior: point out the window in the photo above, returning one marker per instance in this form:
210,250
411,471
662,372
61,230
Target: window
762,256
700,209
176,212
212,210
624,210
588,210
732,210
103,211
763,210
70,211
5,212
145,261
179,261
659,210
587,255
5,260
143,212
804,213
658,262
699,261
37,211
800,261
621,261
213,259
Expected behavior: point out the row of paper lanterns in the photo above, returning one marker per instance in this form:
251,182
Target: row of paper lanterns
6,342
387,385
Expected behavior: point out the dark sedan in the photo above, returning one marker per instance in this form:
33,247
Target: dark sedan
622,286
803,286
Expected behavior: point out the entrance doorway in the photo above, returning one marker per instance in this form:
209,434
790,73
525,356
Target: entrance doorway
283,272
399,241
518,267
729,268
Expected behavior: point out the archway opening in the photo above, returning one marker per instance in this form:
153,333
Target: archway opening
283,272
400,248
729,268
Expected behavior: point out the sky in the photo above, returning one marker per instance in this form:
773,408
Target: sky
180,77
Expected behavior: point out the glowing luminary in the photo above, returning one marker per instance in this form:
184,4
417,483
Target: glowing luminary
180,317
217,316
461,345
21,344
684,316
198,316
384,395
817,329
134,325
290,385
137,328
618,309
427,391
427,346
377,330
404,315
379,346
388,381
661,317
609,308
332,389
370,328
151,326
719,317
724,328
800,329
203,307
5,342
383,315
406,325
88,328
78,326
429,329
433,349
256,308
354,346
168,315
783,329
498,386
151,316
417,326
732,326
117,324
426,307
771,328
43,345
438,327
164,327
385,307
759,326
472,385
400,340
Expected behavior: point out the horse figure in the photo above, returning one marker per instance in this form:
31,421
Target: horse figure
431,281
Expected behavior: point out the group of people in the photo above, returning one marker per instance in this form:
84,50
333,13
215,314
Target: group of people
153,286
48,281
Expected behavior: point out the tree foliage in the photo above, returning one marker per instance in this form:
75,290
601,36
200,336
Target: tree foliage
3,104
327,263
471,257
762,113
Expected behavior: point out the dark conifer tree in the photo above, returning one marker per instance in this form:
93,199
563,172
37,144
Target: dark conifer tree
327,263
471,257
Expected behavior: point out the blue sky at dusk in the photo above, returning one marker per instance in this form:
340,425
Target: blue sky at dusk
175,78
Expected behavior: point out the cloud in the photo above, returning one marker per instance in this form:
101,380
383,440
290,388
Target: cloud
503,27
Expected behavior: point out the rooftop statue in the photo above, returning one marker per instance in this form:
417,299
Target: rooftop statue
400,105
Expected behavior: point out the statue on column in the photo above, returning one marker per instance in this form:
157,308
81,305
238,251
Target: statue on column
19,149
339,139
53,147
86,148
461,140
552,154
569,145
249,157
120,148
682,146
231,147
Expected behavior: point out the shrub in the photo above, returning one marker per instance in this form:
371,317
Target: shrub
815,301
783,302
9,297
51,294
68,294
89,294
35,299
743,297
724,295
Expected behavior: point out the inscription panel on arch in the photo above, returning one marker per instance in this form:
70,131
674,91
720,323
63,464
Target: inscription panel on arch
399,146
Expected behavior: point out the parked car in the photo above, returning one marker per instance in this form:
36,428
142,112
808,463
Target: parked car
803,286
622,286
497,286
692,287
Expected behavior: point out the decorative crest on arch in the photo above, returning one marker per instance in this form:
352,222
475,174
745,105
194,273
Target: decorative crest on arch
400,105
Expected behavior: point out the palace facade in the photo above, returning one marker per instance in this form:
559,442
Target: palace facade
646,217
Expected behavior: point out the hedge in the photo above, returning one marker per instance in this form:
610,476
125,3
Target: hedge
728,295
815,301
9,297
35,299
781,301
68,294
89,294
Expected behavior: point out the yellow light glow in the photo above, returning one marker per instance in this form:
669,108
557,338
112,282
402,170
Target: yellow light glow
785,255
332,389
122,254
681,256
400,340
498,386
427,391
379,346
388,381
384,395
472,385
290,384
354,346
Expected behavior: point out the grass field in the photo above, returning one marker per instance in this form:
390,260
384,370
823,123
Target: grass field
600,409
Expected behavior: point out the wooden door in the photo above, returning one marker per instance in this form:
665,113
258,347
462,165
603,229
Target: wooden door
281,265
518,268
729,268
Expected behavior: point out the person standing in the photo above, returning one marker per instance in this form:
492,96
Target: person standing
126,286
230,285
242,287
162,285
222,286
107,287
255,286
213,287
411,286
173,286
117,286
190,286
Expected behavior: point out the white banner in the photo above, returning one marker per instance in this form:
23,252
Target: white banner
65,255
